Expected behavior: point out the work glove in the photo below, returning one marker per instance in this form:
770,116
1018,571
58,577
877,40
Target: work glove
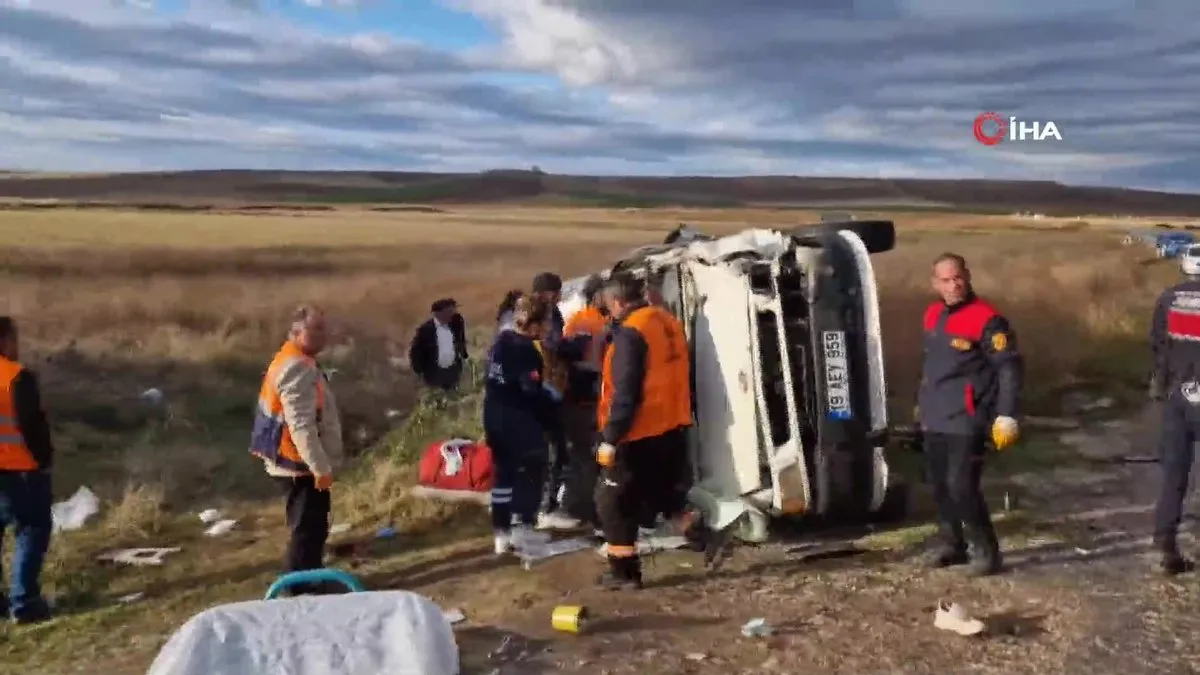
1157,391
323,482
606,455
1005,432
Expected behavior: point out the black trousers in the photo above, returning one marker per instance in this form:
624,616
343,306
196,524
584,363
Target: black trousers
581,472
1180,424
307,520
645,480
955,468
446,379
560,460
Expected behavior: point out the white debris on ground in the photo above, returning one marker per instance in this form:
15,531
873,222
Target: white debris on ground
954,617
153,396
756,628
209,516
340,528
139,557
73,513
220,527
454,616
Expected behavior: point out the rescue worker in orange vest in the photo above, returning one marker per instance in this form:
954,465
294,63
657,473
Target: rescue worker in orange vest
26,455
298,435
588,326
643,412
681,463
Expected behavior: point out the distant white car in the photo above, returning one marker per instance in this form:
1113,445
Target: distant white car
1189,262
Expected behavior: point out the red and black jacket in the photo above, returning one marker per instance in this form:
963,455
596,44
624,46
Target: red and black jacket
1175,334
972,369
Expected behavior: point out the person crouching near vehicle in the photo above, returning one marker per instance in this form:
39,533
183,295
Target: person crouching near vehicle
518,411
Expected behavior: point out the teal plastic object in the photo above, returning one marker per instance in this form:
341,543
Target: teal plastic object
314,577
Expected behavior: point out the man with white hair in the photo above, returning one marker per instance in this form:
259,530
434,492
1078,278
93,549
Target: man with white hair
298,435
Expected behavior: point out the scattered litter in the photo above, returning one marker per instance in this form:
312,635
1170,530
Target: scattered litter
1082,551
152,396
74,512
530,552
138,556
816,551
393,414
569,618
209,516
1098,404
502,650
340,528
131,598
454,616
652,544
756,628
220,527
954,618
385,532
696,656
1010,501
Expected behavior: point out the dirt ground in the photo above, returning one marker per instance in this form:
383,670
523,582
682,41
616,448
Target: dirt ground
1082,594
113,302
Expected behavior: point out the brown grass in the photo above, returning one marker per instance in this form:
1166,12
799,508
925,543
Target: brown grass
111,303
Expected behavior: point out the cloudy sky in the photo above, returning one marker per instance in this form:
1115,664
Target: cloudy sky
716,87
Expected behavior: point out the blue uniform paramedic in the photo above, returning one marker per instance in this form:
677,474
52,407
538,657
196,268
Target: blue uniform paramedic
519,409
1175,341
26,456
970,386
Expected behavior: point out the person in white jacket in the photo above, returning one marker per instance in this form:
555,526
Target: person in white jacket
298,435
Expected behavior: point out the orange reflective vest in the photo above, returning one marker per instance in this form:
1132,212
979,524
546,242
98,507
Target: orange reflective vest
271,438
14,454
589,321
666,387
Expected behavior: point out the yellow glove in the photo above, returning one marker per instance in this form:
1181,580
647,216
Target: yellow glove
606,454
1005,432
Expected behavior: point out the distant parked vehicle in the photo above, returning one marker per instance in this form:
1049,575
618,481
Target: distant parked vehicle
1174,244
1189,262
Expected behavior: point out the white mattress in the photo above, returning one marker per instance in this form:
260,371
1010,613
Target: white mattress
377,633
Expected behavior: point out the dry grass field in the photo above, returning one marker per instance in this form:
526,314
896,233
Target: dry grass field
111,303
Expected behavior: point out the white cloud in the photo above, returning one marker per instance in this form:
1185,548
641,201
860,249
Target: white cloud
889,87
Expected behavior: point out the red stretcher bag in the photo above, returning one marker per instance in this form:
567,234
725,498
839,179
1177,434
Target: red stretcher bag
458,469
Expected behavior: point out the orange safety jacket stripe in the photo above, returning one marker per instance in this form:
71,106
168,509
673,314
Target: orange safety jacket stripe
591,322
666,388
14,454
271,439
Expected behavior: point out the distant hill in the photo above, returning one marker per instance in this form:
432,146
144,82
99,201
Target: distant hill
238,187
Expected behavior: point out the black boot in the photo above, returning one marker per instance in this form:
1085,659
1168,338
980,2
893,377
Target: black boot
37,612
623,574
986,559
1172,561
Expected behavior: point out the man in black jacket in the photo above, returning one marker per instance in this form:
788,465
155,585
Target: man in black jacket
970,391
26,455
439,347
1175,341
